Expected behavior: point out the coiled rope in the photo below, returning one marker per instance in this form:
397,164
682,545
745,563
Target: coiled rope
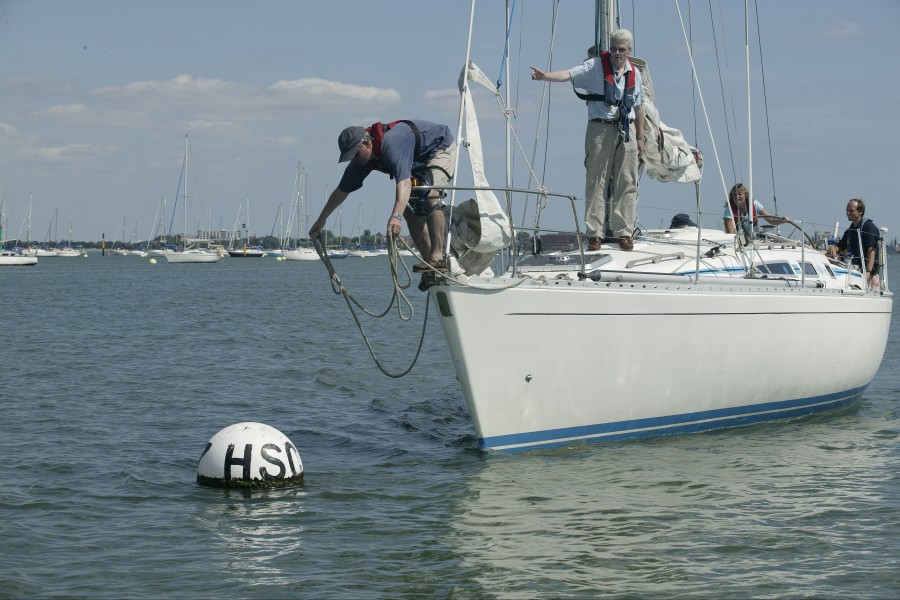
338,287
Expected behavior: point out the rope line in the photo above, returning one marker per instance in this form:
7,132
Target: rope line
339,288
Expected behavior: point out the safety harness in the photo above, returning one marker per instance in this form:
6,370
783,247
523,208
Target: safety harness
419,174
625,104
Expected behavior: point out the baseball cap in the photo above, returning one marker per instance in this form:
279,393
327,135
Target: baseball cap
348,141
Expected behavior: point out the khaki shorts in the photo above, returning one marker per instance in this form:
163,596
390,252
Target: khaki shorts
442,166
445,161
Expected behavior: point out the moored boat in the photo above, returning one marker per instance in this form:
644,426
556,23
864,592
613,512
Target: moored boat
693,329
14,257
193,250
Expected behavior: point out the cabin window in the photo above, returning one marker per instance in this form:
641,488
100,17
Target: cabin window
775,268
809,269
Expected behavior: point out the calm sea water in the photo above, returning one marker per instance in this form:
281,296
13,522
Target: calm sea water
116,372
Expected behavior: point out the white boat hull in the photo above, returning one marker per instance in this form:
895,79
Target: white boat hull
614,361
17,260
68,252
192,256
41,252
301,254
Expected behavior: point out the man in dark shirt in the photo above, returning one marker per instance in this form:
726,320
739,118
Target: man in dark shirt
403,150
866,232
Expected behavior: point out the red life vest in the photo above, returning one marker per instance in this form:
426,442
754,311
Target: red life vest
740,216
626,104
377,131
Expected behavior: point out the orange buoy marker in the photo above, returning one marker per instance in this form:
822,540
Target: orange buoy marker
250,455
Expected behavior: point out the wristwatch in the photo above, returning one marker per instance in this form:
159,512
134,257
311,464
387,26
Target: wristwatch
396,216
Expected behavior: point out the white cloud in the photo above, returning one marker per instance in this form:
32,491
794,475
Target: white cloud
285,141
323,89
215,97
840,31
60,111
66,154
35,85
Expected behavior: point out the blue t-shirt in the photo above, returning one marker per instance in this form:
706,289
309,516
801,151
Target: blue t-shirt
397,147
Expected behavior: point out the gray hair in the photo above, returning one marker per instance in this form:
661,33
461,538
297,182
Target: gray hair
622,35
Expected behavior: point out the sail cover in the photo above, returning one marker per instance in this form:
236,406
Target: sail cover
478,227
667,155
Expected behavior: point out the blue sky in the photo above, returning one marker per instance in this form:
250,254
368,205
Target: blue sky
96,97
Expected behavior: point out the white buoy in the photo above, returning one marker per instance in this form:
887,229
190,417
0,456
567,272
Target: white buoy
152,261
250,455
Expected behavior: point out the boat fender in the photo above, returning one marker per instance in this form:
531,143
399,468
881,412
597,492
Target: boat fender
250,455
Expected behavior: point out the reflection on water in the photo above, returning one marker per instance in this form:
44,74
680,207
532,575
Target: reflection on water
254,533
751,507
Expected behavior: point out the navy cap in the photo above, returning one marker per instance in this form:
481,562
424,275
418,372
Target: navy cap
348,141
681,220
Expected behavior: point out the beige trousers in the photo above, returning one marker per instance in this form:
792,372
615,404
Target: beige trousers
612,169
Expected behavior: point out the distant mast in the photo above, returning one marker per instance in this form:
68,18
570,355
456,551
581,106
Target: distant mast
184,195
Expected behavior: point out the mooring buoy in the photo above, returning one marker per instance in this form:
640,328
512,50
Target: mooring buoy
250,455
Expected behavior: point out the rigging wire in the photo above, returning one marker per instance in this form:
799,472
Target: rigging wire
518,92
545,101
740,160
693,89
702,101
506,46
722,90
762,69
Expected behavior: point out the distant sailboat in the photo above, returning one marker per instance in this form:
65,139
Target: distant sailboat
193,250
120,240
13,257
67,250
41,251
244,249
299,208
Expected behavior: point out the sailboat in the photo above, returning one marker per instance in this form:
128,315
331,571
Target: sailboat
13,256
576,345
193,250
298,219
118,245
339,251
243,249
67,250
41,251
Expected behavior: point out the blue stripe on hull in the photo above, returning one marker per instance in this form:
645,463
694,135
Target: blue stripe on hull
673,424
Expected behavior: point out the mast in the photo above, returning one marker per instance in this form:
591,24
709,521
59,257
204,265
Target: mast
749,119
604,23
184,195
28,227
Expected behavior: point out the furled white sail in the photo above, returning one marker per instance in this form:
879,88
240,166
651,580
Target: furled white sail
478,227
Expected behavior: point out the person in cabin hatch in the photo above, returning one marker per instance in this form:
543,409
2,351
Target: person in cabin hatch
736,211
859,230
614,140
407,151
680,221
